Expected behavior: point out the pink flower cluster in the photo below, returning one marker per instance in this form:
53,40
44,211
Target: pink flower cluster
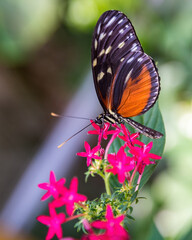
68,197
120,163
61,197
133,156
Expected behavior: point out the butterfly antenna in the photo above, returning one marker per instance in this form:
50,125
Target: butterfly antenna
67,116
73,136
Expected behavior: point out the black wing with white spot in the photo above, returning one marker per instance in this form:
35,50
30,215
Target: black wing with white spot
114,37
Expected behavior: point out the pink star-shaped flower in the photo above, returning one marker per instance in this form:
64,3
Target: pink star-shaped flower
117,130
121,164
130,139
142,156
54,222
54,188
102,132
89,154
112,226
70,197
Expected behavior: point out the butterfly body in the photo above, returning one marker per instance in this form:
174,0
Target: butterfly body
126,79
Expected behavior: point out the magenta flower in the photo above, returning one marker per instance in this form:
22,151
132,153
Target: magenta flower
89,154
102,132
121,164
142,156
104,236
54,188
70,197
117,131
130,139
112,226
54,222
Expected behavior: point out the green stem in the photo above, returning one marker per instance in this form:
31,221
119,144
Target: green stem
74,217
138,181
106,179
107,185
132,176
101,175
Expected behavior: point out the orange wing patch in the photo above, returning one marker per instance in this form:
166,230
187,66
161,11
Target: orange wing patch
136,95
103,100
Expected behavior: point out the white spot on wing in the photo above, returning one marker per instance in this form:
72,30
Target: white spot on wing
122,59
102,52
128,76
102,35
140,59
120,21
134,47
94,62
108,49
105,19
131,35
121,44
99,28
95,44
111,21
109,70
100,76
121,31
110,33
130,59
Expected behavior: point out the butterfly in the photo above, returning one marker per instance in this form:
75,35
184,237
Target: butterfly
126,79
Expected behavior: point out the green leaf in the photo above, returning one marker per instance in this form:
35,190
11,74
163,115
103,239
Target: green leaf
114,183
152,119
154,234
188,235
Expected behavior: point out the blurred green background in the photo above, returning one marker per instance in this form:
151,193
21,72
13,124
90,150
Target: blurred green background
44,55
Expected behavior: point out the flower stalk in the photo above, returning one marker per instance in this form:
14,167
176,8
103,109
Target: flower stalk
107,185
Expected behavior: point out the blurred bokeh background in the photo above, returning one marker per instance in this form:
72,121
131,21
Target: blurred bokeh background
45,66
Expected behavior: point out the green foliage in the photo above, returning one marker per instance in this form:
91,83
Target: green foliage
90,10
188,235
24,26
154,234
120,201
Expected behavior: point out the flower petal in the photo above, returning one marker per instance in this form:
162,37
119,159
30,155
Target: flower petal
50,234
74,184
44,219
52,177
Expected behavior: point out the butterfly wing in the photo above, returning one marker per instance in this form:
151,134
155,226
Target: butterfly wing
113,39
136,85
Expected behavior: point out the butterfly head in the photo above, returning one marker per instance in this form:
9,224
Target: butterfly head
109,117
